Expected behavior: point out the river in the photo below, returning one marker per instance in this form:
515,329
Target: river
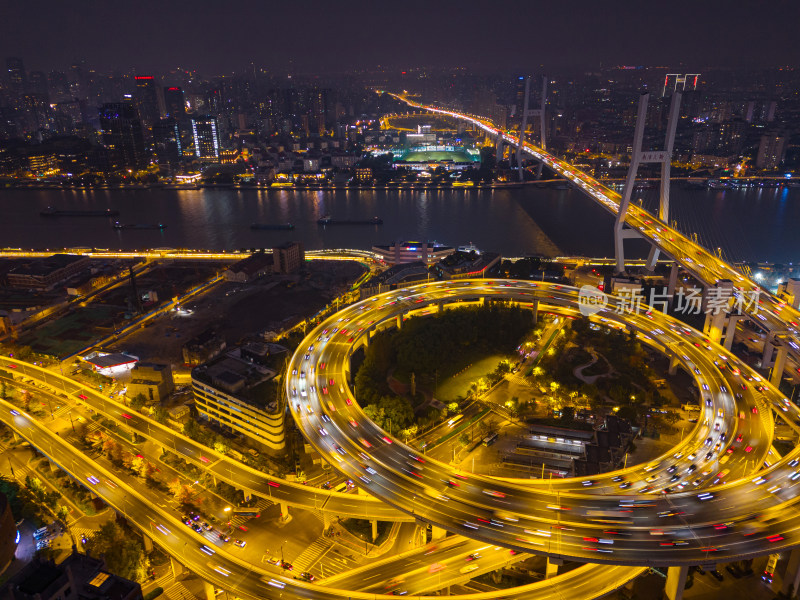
749,224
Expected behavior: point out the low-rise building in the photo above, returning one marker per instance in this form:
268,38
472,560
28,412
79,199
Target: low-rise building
203,347
406,252
152,380
464,265
396,276
232,390
288,257
250,268
45,273
77,577
178,415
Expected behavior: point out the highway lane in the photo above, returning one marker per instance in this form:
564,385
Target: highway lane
218,566
229,470
469,292
768,312
528,519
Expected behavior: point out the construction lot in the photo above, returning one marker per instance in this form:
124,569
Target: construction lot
237,311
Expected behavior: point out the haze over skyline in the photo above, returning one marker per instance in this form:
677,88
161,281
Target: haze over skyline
216,38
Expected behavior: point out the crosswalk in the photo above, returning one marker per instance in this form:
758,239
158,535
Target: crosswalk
261,506
81,531
312,554
178,591
518,378
332,562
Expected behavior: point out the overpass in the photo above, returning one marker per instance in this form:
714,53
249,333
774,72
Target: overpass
780,321
388,307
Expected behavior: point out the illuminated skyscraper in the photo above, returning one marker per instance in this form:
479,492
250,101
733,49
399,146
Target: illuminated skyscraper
206,137
167,140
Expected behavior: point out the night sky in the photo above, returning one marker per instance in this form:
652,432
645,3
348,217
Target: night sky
218,37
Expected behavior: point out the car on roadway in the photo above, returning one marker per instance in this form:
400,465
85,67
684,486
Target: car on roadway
239,543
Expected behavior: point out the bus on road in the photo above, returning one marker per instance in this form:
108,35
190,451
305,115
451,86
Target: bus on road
490,439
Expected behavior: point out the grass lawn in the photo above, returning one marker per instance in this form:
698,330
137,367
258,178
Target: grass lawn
458,385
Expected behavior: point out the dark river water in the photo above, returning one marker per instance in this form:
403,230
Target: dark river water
749,224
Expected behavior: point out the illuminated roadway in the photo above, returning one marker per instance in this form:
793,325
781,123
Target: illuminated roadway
680,528
219,566
770,313
365,315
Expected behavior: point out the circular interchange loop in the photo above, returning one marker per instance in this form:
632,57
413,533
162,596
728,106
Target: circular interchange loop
652,530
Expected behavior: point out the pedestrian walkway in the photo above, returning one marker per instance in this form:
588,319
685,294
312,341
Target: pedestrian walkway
178,591
80,531
312,554
519,378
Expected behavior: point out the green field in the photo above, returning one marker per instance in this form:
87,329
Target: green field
437,156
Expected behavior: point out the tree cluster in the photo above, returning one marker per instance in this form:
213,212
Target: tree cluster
121,549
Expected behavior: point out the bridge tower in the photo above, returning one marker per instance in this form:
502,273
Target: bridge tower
537,112
638,157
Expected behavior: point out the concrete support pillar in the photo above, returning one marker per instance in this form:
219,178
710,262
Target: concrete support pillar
374,524
148,542
673,280
535,312
247,495
676,580
209,590
791,578
780,363
284,511
769,347
714,325
418,538
365,340
440,306
552,567
437,533
398,320
499,149
673,365
53,466
327,520
730,330
177,567
17,438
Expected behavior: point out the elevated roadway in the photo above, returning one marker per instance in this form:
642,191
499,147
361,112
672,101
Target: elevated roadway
768,312
677,528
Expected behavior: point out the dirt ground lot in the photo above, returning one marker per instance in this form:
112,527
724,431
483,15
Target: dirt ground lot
239,311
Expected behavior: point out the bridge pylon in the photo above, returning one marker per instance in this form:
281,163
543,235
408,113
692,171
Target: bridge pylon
535,112
664,157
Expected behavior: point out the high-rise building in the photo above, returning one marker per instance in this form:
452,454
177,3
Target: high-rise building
123,135
174,102
37,112
206,137
167,141
37,83
15,74
147,99
771,150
